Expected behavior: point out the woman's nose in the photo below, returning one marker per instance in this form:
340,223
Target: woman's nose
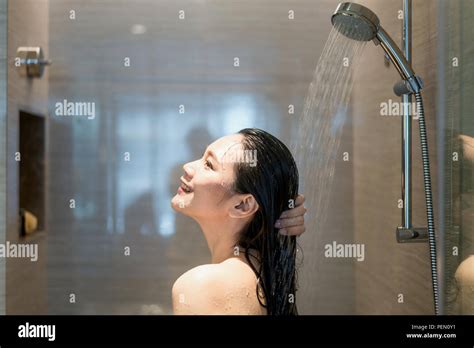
189,170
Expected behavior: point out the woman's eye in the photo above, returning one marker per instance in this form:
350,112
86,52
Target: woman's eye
208,164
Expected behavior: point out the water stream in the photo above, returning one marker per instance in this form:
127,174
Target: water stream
316,146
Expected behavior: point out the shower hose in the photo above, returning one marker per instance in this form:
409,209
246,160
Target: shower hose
428,199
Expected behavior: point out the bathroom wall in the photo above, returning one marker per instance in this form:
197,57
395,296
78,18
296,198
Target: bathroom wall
394,278
25,279
3,143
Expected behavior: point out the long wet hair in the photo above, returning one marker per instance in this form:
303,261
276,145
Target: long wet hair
273,182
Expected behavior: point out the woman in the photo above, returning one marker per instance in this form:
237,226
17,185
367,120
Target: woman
236,192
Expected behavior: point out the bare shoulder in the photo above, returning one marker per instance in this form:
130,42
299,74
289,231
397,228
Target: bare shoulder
225,288
199,276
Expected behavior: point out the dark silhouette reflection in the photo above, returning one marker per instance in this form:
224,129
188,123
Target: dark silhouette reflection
139,216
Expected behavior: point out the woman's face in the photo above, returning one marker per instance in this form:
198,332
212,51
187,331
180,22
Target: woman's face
207,181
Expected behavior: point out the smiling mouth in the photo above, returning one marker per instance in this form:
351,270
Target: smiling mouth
185,187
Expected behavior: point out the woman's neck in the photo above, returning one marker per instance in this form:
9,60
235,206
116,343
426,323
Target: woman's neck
221,237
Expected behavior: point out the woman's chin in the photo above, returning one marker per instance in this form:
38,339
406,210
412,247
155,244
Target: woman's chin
179,203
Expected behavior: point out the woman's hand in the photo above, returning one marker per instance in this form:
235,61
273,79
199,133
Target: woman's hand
291,221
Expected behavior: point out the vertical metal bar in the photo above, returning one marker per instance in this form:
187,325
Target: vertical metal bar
407,123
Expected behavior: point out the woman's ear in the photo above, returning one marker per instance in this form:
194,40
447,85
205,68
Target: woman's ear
245,206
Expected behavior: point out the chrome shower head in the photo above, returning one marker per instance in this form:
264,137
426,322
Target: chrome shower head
355,21
359,23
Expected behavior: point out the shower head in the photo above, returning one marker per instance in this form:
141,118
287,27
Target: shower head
355,21
359,23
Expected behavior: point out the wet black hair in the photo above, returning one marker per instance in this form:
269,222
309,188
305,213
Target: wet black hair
273,182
